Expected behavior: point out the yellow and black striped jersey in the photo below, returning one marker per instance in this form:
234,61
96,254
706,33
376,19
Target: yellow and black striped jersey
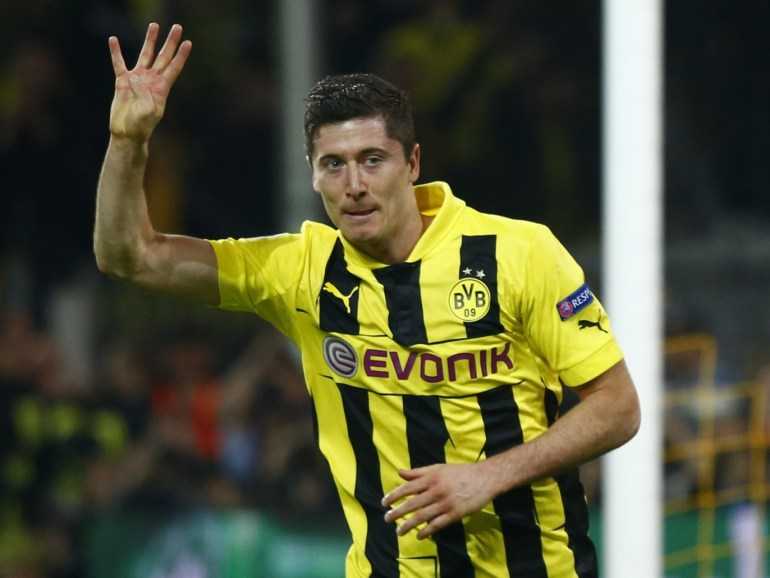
458,353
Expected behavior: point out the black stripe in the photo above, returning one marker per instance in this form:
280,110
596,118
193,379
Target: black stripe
427,436
576,524
573,501
569,399
479,253
334,316
402,295
316,432
515,508
551,402
381,542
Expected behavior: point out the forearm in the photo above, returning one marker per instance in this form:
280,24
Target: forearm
441,494
600,423
122,226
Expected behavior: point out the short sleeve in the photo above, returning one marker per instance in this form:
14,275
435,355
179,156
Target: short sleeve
261,275
563,320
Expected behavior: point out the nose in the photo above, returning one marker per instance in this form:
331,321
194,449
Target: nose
356,185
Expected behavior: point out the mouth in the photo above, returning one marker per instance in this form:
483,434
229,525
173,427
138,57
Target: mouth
359,214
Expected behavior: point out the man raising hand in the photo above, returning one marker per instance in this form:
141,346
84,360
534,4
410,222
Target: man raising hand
125,243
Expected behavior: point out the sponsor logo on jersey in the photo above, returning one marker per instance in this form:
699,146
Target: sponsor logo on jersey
575,302
432,368
340,356
469,298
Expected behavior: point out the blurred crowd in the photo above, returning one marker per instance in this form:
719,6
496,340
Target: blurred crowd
158,431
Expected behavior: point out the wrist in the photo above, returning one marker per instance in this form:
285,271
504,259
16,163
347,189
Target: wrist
132,149
506,470
490,470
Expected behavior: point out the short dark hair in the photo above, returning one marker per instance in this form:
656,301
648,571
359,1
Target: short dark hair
347,96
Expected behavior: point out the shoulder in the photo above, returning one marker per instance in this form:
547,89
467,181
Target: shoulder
316,230
285,252
318,239
310,235
516,232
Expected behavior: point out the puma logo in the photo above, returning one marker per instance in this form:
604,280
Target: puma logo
330,288
583,323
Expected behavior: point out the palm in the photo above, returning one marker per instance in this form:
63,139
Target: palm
141,93
140,99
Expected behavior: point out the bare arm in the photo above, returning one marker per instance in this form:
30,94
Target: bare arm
607,417
125,243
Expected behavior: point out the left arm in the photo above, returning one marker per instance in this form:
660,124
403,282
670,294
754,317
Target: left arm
607,417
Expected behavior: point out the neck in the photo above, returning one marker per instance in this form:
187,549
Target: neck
398,249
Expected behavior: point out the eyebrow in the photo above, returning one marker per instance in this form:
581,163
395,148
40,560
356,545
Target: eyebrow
371,150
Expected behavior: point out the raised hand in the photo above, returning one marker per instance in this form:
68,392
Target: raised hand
141,93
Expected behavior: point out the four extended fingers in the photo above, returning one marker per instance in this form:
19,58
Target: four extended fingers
169,61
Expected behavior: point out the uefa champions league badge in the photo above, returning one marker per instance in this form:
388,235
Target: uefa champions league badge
575,302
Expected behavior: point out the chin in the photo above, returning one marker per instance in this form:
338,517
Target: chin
359,234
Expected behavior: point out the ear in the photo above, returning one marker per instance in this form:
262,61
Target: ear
414,163
314,181
312,173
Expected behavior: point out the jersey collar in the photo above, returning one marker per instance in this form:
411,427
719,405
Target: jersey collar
434,200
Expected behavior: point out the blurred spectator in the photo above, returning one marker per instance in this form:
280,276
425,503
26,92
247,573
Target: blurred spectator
187,399
294,484
201,437
122,414
46,443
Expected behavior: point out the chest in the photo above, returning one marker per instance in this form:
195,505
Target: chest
453,294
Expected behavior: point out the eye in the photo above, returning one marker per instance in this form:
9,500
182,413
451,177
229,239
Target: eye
332,163
373,160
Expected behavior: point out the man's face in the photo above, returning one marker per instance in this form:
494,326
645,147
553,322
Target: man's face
365,182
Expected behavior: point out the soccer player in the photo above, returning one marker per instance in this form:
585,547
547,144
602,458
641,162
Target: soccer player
437,341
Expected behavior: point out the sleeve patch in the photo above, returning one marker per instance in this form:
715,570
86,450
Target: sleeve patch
575,302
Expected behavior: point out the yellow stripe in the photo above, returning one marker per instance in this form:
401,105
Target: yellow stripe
440,323
335,444
559,559
484,537
418,568
390,439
